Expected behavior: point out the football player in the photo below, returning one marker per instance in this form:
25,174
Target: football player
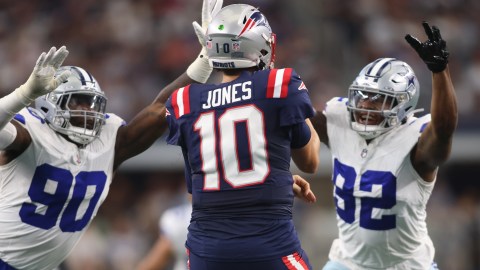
58,158
173,228
59,151
385,160
238,138
170,245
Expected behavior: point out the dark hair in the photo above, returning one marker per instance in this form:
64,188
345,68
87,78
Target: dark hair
236,71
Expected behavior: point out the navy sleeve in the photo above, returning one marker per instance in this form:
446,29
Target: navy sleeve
297,106
188,171
301,135
173,137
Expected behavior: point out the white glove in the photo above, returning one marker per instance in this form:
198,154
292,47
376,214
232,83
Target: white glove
209,10
42,80
200,69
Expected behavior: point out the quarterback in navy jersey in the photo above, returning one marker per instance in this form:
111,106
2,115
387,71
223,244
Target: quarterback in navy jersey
238,138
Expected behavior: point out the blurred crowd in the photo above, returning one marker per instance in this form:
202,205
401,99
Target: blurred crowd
134,48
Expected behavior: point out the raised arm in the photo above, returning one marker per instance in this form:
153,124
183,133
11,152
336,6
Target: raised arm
435,143
14,138
148,125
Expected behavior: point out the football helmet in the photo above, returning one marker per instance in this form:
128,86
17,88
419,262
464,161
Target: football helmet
383,96
239,36
76,108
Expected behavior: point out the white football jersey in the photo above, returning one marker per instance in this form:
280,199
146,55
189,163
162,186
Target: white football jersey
51,192
380,198
174,226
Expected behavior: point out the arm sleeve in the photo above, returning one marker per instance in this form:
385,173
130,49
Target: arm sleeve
297,106
301,135
173,137
188,171
7,135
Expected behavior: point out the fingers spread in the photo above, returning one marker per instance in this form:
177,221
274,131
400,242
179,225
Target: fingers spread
436,33
215,7
428,30
59,57
206,12
40,60
49,56
200,32
414,42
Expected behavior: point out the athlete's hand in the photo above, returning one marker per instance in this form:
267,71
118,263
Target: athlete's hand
42,80
301,189
200,70
210,8
433,51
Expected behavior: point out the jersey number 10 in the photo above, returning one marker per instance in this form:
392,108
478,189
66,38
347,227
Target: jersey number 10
227,141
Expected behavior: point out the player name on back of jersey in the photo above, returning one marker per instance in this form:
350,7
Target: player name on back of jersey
228,94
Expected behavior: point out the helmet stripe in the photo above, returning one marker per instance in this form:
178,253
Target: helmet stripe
80,74
377,68
372,65
246,27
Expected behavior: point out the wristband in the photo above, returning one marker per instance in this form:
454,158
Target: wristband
12,104
200,69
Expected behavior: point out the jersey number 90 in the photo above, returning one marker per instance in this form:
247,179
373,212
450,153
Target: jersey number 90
49,192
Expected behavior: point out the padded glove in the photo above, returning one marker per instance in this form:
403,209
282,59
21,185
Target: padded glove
200,69
433,51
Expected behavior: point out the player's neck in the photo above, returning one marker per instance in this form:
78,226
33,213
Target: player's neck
228,78
229,75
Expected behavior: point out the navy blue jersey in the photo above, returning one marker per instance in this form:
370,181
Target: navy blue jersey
236,138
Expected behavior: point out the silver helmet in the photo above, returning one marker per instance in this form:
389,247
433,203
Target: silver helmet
383,96
239,36
76,108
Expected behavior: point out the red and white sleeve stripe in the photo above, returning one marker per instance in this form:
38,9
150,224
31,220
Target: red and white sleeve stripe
181,101
294,262
278,81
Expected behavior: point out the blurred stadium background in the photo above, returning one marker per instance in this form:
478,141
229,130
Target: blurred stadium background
134,48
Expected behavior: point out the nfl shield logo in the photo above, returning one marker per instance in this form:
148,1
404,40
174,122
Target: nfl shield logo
236,46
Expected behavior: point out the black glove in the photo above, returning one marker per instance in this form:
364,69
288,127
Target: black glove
433,51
